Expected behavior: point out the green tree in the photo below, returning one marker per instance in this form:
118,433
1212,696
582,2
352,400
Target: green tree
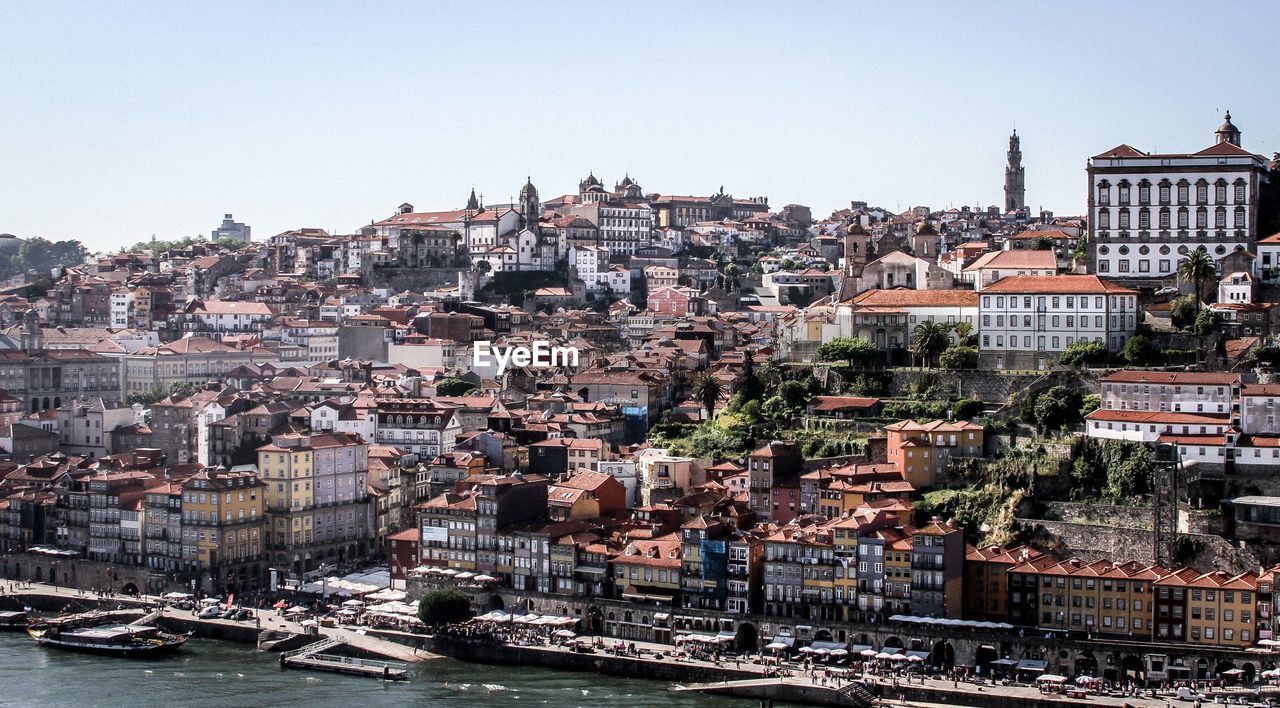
453,386
959,357
749,386
1090,403
483,266
1083,352
1130,467
1139,351
858,351
1197,268
1043,243
1205,323
796,394
928,340
776,409
445,606
966,409
1058,408
708,390
964,330
1182,311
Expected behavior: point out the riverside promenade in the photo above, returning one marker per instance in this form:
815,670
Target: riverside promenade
50,599
758,680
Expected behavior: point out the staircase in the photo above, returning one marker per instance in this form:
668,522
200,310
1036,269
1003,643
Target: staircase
147,619
857,695
312,648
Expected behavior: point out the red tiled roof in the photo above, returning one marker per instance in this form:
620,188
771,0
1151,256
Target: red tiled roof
902,297
1170,378
1058,284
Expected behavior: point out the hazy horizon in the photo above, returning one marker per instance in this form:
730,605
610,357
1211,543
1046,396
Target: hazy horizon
138,119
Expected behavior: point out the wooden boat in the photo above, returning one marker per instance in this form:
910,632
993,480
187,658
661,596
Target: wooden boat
115,639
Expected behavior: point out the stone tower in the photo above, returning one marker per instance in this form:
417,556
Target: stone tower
1228,132
530,207
32,336
1015,188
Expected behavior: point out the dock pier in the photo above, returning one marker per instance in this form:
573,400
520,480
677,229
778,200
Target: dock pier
313,657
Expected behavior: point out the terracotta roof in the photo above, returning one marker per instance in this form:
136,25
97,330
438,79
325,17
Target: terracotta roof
1122,151
1170,378
1057,284
1159,417
901,297
1018,258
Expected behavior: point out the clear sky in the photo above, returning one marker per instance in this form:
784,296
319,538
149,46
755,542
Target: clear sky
124,119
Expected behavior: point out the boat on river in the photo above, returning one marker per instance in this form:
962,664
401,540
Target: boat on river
114,639
13,621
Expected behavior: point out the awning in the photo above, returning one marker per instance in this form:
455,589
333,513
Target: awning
645,597
913,654
1031,665
1052,678
591,569
661,617
786,642
829,646
1004,662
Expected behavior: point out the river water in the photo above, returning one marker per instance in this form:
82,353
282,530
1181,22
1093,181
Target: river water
215,673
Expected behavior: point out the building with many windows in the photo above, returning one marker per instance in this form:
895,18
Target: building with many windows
1147,210
1027,320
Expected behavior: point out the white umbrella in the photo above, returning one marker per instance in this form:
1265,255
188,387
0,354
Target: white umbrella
353,603
776,646
566,633
1051,678
899,657
839,652
914,659
485,579
808,650
869,653
883,656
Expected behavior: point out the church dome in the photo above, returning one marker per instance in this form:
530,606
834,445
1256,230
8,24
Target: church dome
528,191
1227,126
591,180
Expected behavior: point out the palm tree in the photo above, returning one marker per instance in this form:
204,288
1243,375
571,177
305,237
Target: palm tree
928,340
963,330
416,239
707,390
1197,267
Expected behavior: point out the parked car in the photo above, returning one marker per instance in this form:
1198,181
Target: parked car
210,612
243,613
1186,693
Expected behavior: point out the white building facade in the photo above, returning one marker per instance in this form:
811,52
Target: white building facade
1146,210
1027,320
